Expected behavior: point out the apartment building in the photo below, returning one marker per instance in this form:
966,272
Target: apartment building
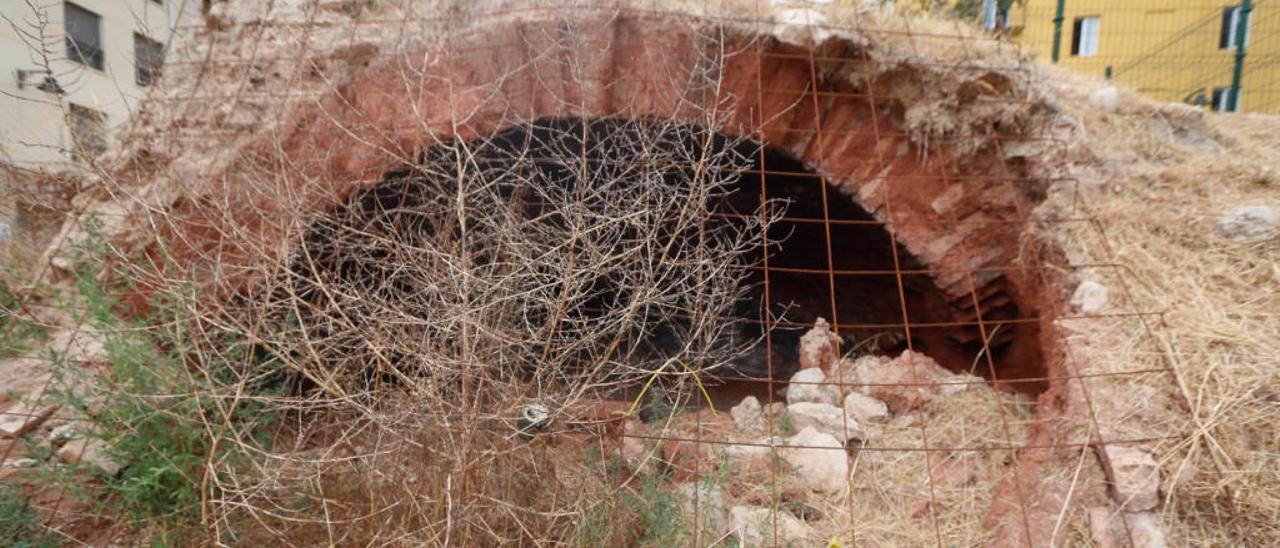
1171,50
71,72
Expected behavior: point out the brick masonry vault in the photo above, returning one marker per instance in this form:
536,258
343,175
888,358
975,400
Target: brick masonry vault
958,206
960,209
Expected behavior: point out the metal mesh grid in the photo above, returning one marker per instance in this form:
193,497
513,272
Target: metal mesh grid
933,446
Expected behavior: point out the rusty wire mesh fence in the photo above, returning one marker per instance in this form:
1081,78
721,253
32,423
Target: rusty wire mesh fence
597,272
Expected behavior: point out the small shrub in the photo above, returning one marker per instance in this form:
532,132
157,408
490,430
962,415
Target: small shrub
20,522
154,405
18,335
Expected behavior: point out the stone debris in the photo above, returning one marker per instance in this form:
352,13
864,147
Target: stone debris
865,408
810,385
88,451
825,418
819,459
1109,528
22,417
775,409
1089,297
1135,478
637,454
23,462
755,526
706,503
748,416
22,378
910,381
751,449
819,347
802,26
1101,527
1144,530
1249,223
846,374
62,434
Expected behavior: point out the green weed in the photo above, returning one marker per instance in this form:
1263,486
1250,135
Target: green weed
18,335
20,522
157,405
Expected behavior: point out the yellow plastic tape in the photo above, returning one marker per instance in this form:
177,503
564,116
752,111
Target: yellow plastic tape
654,376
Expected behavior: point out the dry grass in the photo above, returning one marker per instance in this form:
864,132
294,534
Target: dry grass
1164,178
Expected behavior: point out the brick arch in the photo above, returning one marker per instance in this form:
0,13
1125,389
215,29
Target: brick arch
943,204
617,66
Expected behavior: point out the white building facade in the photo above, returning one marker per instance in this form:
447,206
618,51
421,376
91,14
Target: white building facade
71,72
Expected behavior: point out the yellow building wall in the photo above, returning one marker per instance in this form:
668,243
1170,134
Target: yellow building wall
1168,49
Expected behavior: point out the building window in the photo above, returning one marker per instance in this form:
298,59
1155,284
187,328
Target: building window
1084,41
1228,39
88,132
1222,100
148,56
84,35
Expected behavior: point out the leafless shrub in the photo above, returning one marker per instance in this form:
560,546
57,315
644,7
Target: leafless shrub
555,262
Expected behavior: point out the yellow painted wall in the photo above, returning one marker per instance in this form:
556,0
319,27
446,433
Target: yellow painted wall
1167,49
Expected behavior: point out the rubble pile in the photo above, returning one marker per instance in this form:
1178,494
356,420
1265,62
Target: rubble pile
840,447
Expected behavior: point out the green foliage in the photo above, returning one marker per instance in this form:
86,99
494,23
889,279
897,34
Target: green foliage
157,404
658,511
20,522
786,428
643,512
966,9
17,334
659,406
971,10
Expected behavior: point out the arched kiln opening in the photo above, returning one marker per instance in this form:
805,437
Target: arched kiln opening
822,254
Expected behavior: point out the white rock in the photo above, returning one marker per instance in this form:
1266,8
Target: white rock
88,451
1106,97
1249,223
810,385
819,347
865,408
706,503
736,451
62,434
825,418
748,416
849,374
1089,297
638,454
1102,527
775,409
21,418
21,463
752,449
819,459
755,527
1135,478
910,381
1145,530
801,26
